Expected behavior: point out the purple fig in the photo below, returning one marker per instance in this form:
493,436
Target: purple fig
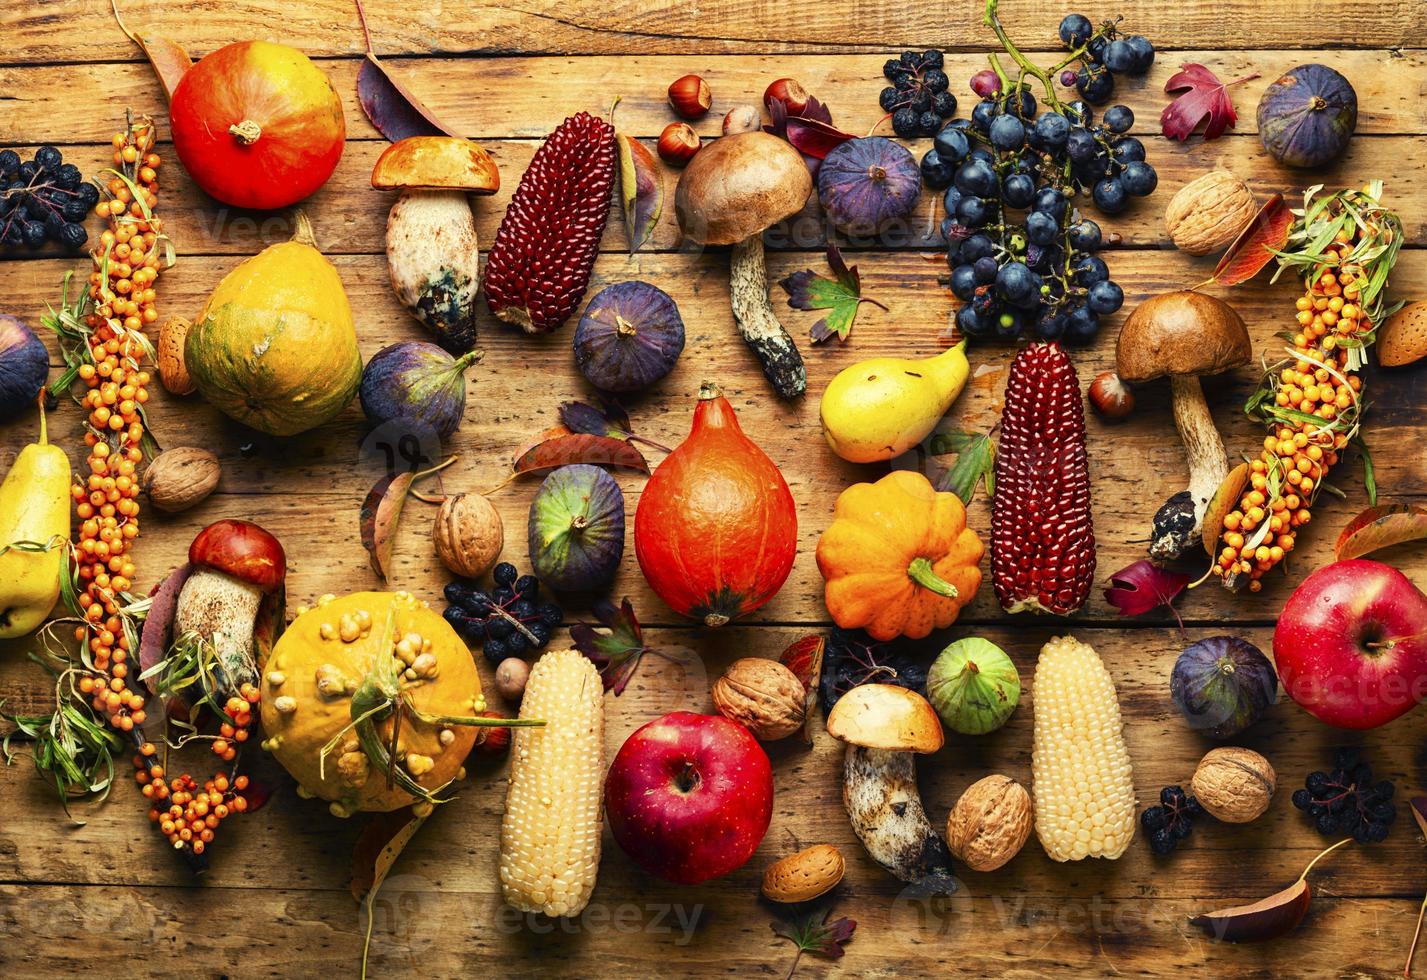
417,381
576,528
629,337
866,185
24,366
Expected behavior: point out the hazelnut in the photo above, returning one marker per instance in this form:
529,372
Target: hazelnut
1111,398
690,96
510,678
168,355
1234,785
742,119
789,92
804,876
179,478
468,534
678,144
491,743
1208,213
990,823
763,696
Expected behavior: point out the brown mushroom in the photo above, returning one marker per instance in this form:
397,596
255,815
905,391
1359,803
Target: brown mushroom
1183,335
733,190
885,727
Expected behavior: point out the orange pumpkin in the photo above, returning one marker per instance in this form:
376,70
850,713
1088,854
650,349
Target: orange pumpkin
716,531
257,125
898,558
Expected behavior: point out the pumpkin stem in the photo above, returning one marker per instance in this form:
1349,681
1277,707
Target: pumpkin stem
303,233
708,391
920,571
246,132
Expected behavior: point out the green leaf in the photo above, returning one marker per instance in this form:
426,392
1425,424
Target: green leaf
975,461
812,933
1369,471
841,296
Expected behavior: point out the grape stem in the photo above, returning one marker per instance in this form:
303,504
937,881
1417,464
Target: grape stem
994,22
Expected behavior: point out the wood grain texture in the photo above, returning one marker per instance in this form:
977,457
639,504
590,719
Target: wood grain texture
276,904
329,27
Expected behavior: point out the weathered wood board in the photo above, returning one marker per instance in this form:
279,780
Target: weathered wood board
276,902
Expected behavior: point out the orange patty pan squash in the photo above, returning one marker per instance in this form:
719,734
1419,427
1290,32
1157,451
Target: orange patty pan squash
898,558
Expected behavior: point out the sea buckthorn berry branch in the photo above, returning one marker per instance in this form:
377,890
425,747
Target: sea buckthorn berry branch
1344,246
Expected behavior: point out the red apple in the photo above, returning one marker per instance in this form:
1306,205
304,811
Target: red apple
689,796
1351,644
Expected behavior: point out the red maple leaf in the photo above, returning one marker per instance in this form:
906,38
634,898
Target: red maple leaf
1204,97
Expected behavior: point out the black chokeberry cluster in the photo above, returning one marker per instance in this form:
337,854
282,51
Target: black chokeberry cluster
1346,800
918,99
510,620
1100,55
1172,820
1021,254
43,199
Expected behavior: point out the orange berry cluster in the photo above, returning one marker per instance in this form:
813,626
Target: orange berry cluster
1286,476
190,815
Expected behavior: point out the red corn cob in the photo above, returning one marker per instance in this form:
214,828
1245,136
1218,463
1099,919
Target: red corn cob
547,242
1042,541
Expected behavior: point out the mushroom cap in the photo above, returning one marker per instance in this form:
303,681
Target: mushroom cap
243,550
740,185
1181,333
444,163
885,716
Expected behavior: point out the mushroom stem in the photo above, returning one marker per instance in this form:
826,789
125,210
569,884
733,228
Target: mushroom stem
748,294
1178,522
222,611
882,800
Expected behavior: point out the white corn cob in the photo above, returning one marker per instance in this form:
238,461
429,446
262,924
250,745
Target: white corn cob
550,835
1080,768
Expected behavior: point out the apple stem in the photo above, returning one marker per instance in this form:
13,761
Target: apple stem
1416,934
687,778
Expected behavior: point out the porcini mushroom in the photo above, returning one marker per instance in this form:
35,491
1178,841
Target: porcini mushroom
1184,335
736,188
885,727
235,566
431,247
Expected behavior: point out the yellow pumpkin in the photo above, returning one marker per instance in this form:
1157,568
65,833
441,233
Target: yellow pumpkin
275,347
898,558
317,671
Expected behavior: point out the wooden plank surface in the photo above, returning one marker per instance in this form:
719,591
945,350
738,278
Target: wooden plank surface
275,902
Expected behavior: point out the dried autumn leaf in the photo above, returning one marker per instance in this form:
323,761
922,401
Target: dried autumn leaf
1255,246
615,653
804,658
1269,918
1381,527
167,58
812,933
607,419
1203,97
841,295
390,105
1142,587
579,447
380,844
1224,500
641,190
381,511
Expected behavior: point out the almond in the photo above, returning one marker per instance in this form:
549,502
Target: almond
169,357
804,876
179,478
1403,338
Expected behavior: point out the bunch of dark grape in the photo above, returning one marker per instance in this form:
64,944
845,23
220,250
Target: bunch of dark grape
1172,821
918,98
1347,801
44,199
510,619
1102,54
1021,254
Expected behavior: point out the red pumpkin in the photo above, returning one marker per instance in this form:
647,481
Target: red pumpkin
257,125
715,531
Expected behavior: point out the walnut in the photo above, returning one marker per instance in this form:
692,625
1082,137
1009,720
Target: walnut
1234,785
468,534
990,823
1208,213
804,876
763,696
169,356
179,478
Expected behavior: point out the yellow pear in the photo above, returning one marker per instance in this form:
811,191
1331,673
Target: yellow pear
34,515
880,408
